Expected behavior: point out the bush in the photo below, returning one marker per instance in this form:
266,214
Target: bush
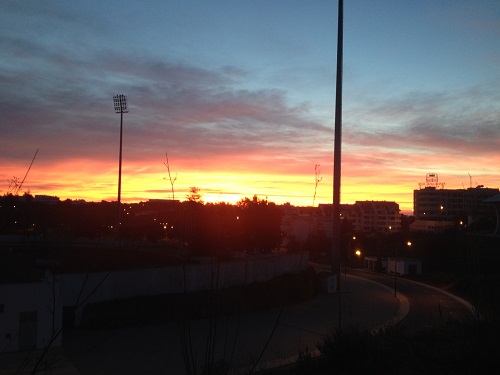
465,347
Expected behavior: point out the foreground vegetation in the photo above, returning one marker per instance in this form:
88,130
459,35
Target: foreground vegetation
467,347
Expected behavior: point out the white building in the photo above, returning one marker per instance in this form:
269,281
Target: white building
404,266
30,315
368,216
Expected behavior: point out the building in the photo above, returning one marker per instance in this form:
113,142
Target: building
30,314
495,202
368,216
404,266
436,208
373,216
298,223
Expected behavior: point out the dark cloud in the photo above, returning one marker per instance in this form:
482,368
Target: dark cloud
64,105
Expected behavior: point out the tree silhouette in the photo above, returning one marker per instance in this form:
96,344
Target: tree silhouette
261,221
194,195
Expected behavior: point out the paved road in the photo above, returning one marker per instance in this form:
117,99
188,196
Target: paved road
430,306
157,349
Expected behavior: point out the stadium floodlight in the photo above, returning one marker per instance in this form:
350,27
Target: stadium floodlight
120,104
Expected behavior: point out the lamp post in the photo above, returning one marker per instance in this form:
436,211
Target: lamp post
408,243
335,248
120,104
335,251
395,271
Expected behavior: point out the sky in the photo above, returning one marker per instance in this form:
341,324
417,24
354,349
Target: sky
241,97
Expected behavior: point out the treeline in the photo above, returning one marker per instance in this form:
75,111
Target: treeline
251,225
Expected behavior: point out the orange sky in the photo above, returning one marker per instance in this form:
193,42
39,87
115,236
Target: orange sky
95,181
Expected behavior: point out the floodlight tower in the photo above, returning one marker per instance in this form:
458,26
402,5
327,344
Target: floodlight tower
120,104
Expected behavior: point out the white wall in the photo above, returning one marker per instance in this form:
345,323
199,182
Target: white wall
80,289
29,297
403,266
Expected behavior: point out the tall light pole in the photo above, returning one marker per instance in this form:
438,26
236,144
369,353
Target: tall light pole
120,104
395,272
336,243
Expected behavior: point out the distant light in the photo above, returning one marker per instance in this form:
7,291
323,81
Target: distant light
358,252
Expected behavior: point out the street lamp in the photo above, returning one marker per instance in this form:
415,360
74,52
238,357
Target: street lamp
120,104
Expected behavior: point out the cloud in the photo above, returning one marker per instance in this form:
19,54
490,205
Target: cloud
63,105
462,122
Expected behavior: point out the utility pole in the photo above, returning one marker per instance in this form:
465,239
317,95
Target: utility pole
120,104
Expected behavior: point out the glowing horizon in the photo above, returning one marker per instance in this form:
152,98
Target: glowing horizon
218,186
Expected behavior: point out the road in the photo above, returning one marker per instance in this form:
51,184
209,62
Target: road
430,307
157,349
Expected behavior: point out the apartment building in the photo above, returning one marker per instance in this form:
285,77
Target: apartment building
436,208
368,216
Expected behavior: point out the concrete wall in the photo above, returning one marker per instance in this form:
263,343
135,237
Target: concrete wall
32,315
80,289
